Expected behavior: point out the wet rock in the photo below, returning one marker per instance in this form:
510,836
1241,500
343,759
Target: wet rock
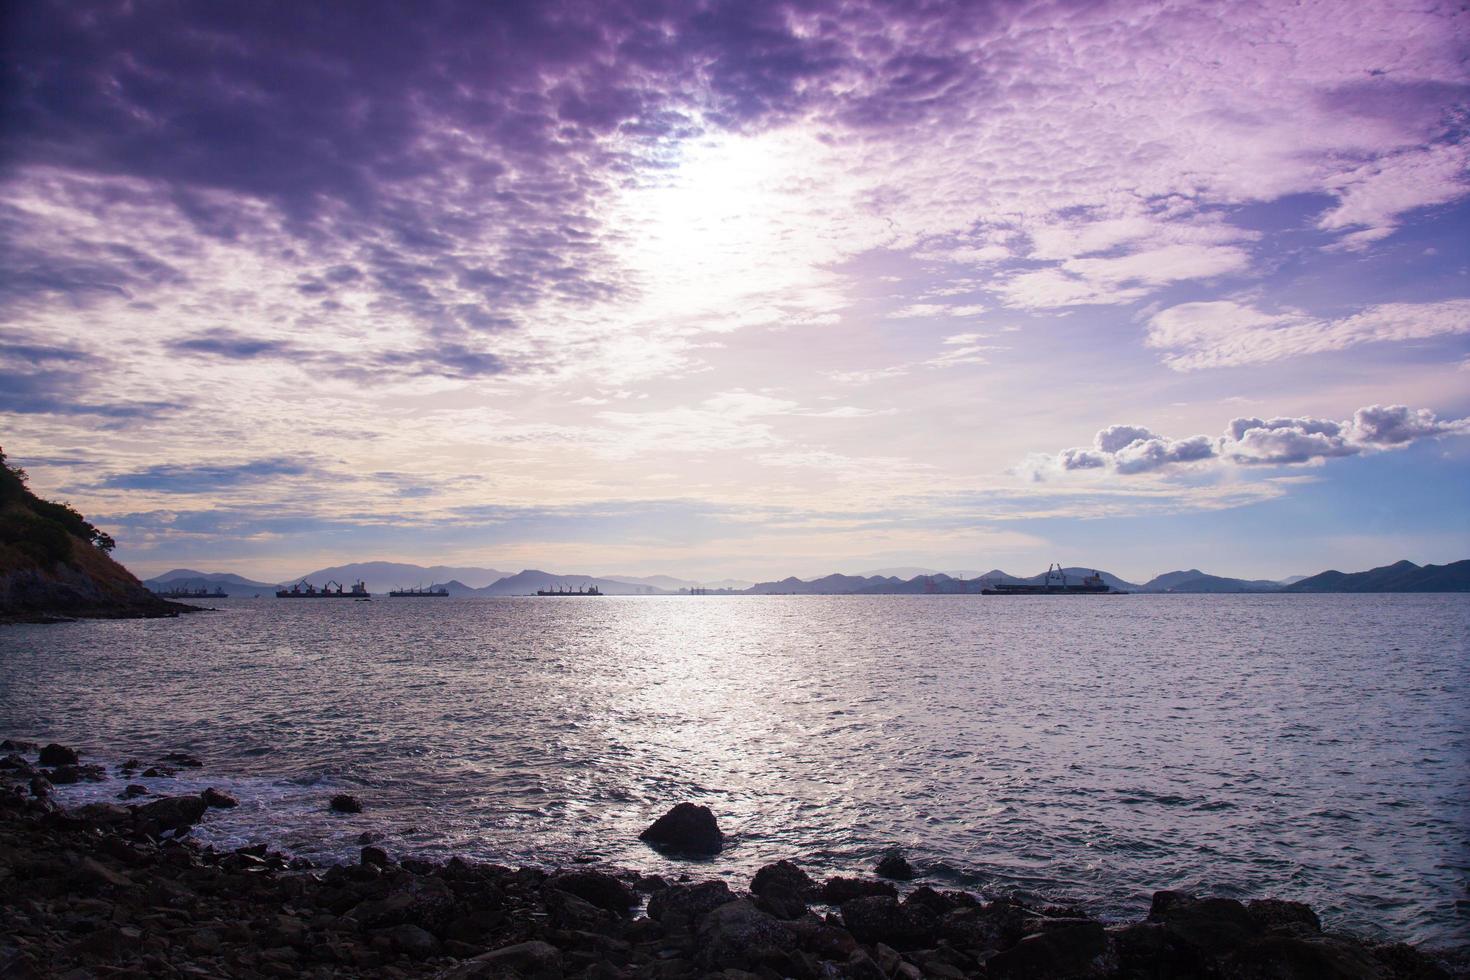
413,941
737,934
1205,926
1077,951
103,814
65,775
16,745
41,787
688,829
218,800
132,791
16,767
183,760
534,960
602,890
650,883
130,765
1283,957
783,876
58,755
345,803
422,901
894,865
691,901
881,919
1279,915
836,891
374,855
158,772
171,813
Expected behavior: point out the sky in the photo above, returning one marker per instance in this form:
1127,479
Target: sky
742,289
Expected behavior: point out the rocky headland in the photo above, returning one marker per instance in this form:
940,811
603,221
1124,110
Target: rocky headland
121,890
55,565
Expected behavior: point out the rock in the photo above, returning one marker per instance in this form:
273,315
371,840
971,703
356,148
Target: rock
691,901
41,787
1279,915
171,813
534,960
836,891
15,745
880,919
602,890
130,765
158,772
16,766
1283,957
861,966
688,829
345,803
1077,951
220,801
65,775
413,941
183,759
133,791
895,865
375,855
58,755
1206,926
737,934
103,814
783,890
782,876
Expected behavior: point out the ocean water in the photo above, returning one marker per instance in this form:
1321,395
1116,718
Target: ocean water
1086,749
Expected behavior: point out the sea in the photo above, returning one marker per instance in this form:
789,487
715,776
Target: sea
1084,750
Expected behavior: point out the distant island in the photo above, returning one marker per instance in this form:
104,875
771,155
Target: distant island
1403,576
56,564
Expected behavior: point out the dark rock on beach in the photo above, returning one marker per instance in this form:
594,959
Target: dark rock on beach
218,800
688,829
106,890
345,803
58,755
894,865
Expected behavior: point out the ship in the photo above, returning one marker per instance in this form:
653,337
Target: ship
305,590
199,593
568,590
1055,583
433,591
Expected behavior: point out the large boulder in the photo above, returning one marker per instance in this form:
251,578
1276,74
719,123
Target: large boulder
881,919
687,829
1285,957
345,803
1078,950
836,891
534,960
1279,915
739,935
783,889
58,755
894,865
174,813
689,901
602,890
1207,927
218,800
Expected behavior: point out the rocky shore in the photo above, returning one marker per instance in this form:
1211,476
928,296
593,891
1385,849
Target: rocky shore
121,890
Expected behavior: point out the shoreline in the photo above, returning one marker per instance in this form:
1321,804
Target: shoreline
122,889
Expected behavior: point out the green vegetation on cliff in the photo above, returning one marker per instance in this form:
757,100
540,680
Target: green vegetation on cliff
54,562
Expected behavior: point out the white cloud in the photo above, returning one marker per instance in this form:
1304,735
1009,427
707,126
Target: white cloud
1128,450
1225,333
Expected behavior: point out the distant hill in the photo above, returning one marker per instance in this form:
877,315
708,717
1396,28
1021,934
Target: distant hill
936,582
56,563
381,576
826,585
187,578
527,582
668,583
1403,576
1195,580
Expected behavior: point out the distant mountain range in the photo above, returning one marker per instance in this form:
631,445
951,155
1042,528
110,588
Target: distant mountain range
380,577
1403,576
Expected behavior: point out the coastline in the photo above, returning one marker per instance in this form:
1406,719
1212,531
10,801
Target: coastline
121,889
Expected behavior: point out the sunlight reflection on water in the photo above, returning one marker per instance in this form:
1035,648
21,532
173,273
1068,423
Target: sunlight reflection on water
1312,747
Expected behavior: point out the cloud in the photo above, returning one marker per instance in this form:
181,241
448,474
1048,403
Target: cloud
210,477
1129,450
1224,333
